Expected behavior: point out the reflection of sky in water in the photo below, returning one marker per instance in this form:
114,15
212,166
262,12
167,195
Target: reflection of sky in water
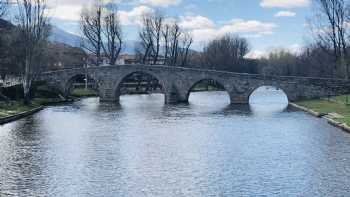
145,148
268,100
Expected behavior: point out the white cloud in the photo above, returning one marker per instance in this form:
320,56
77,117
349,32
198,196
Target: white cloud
284,3
55,3
285,14
196,22
161,3
66,12
248,26
134,16
257,54
69,9
295,49
204,29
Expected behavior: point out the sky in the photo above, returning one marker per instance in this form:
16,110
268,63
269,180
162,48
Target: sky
267,24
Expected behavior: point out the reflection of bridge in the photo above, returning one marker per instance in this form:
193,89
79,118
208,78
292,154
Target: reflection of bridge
177,82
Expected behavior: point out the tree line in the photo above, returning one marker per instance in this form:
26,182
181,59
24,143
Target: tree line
226,53
161,40
327,55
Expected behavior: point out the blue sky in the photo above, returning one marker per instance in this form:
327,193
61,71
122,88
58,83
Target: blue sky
266,24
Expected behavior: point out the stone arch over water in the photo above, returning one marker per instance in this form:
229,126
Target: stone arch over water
157,83
208,85
281,91
68,85
268,100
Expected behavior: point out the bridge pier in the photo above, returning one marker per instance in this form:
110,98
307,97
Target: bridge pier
106,95
174,98
239,99
108,100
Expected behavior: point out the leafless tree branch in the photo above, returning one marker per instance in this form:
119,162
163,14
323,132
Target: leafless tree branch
34,29
3,7
91,20
112,31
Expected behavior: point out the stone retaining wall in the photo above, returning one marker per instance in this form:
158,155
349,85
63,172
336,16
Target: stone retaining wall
20,115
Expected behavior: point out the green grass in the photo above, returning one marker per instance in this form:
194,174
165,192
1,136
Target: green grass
330,105
43,97
82,92
16,107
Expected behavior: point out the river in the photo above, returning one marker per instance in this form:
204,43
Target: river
145,148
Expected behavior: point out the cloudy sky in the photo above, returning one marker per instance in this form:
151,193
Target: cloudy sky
266,23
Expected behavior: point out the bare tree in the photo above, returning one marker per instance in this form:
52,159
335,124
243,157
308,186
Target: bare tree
146,39
3,7
34,31
151,37
157,33
5,40
330,23
91,20
112,31
166,36
156,25
175,34
226,53
186,42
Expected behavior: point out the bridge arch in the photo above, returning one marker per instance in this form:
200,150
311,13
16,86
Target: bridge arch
158,81
282,90
268,100
208,84
79,77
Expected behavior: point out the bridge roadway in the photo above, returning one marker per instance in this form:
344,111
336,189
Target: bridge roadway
177,82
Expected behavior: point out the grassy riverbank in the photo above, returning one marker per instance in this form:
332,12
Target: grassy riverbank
337,108
15,107
82,92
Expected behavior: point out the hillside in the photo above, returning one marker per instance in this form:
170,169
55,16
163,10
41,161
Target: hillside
62,36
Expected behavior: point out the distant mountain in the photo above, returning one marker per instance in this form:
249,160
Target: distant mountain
61,36
5,24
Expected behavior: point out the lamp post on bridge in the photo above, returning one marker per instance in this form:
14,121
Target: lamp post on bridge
86,73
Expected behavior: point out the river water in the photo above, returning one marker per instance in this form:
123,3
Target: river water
145,148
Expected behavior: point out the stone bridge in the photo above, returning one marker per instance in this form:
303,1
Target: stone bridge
177,82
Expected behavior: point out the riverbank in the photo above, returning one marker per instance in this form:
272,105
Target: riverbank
336,110
15,109
20,115
82,92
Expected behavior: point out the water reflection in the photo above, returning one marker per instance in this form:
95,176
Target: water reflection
268,100
145,148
